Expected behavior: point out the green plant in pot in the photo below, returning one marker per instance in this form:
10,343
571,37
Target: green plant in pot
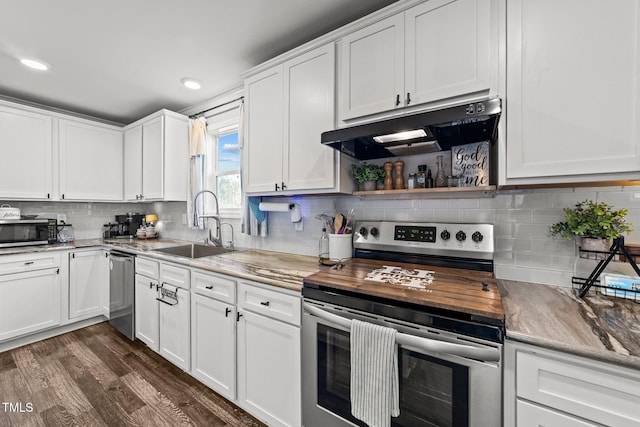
596,224
367,174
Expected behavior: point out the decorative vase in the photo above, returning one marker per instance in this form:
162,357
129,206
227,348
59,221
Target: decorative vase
369,185
441,177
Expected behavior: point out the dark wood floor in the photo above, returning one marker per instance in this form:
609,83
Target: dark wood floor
95,377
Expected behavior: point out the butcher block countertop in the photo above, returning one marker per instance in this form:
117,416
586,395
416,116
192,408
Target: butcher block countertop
599,327
452,289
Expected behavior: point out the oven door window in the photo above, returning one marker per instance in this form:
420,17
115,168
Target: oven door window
433,392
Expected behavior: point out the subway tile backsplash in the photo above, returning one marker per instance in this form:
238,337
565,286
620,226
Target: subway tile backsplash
524,250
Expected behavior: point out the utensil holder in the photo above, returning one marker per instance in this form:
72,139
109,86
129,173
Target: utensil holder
340,246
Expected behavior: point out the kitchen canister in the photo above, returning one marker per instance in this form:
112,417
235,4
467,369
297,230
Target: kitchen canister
340,246
7,212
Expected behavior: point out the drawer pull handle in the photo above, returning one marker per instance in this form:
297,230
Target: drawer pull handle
265,303
209,287
227,311
28,263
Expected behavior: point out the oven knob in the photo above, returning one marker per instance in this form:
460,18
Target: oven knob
461,236
374,231
363,231
445,235
477,237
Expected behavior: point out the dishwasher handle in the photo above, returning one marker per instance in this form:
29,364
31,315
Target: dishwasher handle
441,347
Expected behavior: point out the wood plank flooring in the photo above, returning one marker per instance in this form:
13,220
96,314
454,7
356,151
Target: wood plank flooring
96,377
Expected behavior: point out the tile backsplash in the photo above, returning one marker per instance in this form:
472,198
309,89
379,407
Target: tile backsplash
523,248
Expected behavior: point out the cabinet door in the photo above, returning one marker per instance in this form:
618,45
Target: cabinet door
175,330
133,163
26,160
372,69
147,324
152,159
269,369
448,49
264,133
91,165
88,282
213,344
573,103
29,302
309,94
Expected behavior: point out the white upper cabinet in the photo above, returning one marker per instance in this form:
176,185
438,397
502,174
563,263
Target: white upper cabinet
437,50
26,160
288,108
156,158
90,161
572,91
263,149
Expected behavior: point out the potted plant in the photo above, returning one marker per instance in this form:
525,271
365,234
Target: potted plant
596,224
367,175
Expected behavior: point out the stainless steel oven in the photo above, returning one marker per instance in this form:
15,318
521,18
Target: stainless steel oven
449,361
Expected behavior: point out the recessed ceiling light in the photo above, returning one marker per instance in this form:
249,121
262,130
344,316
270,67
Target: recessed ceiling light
191,83
35,64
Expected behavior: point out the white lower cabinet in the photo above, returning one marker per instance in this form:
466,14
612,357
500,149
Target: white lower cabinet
88,283
248,352
30,294
549,388
163,310
213,344
269,369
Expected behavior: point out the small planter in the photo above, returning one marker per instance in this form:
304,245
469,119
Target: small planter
598,248
369,185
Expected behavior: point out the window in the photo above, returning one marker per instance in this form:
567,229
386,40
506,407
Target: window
222,164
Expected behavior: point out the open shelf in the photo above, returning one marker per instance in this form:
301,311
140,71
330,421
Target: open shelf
487,191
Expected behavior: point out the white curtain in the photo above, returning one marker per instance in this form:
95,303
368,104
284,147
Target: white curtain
197,149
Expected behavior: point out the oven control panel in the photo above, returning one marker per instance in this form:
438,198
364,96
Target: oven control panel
463,239
415,233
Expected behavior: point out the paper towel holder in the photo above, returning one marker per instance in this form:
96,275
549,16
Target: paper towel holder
293,208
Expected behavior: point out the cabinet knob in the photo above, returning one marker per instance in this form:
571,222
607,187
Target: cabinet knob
227,311
265,303
397,100
277,188
284,187
408,98
238,316
209,287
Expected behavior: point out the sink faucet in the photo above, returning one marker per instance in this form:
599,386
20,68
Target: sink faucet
230,244
217,241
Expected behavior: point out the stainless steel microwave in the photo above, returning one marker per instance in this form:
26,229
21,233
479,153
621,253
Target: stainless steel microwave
26,232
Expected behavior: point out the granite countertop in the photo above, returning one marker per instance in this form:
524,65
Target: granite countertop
598,327
273,268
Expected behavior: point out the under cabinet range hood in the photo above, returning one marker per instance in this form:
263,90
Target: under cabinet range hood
420,133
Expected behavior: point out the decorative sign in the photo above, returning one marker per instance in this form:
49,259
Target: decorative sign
471,163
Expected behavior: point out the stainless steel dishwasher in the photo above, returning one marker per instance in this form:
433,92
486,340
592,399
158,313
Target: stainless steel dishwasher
121,293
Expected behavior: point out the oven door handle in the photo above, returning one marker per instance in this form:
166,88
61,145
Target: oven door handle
442,347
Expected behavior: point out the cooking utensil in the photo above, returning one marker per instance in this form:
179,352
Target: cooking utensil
338,221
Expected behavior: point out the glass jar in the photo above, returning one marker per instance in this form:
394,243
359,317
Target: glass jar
421,176
411,181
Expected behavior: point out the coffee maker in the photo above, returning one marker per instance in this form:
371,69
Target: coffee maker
125,226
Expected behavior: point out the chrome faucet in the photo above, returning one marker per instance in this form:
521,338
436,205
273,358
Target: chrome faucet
217,241
230,244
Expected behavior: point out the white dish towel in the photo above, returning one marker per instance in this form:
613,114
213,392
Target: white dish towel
374,374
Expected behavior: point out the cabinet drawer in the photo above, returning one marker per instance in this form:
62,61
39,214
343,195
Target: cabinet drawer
530,415
591,390
22,263
270,303
214,286
174,275
148,268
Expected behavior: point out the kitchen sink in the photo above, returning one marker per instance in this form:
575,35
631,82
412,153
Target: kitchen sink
194,250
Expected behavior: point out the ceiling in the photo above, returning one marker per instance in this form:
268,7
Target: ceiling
122,60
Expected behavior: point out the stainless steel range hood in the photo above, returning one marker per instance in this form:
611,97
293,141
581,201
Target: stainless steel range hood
418,133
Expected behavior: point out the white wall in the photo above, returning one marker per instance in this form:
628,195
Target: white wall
524,251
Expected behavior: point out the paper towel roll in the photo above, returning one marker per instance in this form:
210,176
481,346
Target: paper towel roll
274,207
